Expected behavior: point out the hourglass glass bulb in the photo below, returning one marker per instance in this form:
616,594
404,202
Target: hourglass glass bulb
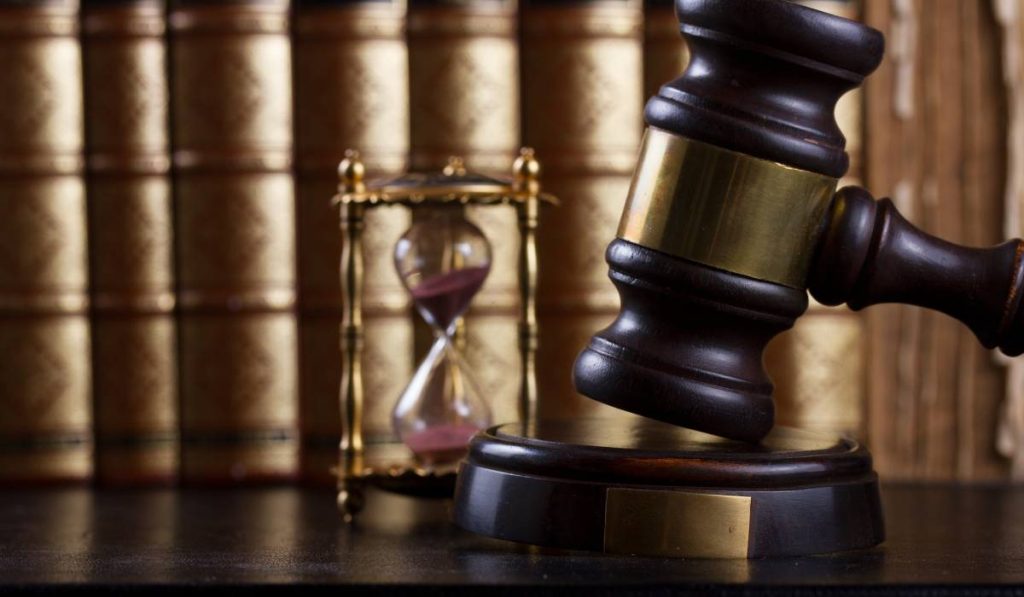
443,261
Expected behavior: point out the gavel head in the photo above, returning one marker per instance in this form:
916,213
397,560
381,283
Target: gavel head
729,198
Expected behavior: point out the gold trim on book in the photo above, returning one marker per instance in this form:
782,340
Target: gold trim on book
460,23
314,164
677,524
129,164
585,21
27,22
361,21
42,164
154,302
725,209
600,161
70,303
282,299
143,19
273,160
391,301
231,19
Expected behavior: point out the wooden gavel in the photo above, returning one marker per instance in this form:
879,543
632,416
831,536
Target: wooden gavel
732,216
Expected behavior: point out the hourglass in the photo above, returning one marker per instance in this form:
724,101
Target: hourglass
443,260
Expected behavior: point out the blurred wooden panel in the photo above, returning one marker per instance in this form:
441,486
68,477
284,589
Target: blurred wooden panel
935,115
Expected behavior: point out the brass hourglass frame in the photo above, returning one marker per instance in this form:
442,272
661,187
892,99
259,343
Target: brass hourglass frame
452,186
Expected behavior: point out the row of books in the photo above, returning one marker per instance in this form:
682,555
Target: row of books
169,297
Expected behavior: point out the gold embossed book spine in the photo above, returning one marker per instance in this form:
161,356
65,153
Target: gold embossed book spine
45,374
818,367
131,242
582,89
464,100
351,91
231,114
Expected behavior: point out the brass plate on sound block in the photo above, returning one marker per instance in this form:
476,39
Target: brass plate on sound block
676,523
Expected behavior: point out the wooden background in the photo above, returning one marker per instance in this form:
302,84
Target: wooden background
937,124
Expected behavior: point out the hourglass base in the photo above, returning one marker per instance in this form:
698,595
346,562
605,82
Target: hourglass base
647,488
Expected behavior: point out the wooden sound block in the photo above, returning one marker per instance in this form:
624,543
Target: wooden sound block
638,486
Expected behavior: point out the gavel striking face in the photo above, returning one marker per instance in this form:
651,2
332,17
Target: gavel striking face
732,216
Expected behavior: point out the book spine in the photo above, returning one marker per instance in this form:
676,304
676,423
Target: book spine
582,89
351,91
464,100
45,374
231,114
130,242
665,52
818,367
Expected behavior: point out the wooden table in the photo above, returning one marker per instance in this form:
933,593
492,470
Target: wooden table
258,540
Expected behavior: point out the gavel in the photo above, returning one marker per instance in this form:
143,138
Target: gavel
733,215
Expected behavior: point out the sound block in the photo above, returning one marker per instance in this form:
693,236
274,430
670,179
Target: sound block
641,487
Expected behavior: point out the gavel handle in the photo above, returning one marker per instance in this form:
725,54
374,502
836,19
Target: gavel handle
870,254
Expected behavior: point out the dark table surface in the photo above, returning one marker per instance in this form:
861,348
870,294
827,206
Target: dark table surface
942,539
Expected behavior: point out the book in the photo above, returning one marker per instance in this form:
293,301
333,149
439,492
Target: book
231,114
464,101
351,92
818,367
45,374
130,241
665,52
582,89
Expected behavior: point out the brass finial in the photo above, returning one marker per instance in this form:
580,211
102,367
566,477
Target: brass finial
456,166
351,170
526,172
526,165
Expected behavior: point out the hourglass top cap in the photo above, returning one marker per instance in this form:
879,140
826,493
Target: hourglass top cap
764,78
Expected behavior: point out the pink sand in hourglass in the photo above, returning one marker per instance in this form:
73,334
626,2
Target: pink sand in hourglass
441,444
447,295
